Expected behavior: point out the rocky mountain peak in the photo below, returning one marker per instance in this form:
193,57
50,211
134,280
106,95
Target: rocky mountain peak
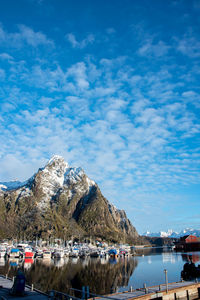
60,200
58,173
53,173
57,176
57,162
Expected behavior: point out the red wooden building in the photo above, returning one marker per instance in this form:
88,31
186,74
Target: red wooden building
188,243
190,239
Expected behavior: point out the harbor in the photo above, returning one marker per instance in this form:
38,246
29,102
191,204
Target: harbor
168,291
104,272
30,250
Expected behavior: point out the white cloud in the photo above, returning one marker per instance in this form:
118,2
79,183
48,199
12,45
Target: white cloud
2,74
12,163
78,72
151,49
6,56
110,30
34,38
192,98
80,44
26,35
189,45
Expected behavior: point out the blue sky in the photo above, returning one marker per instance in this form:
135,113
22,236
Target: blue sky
113,87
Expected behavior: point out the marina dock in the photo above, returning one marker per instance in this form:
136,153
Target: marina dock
30,293
186,290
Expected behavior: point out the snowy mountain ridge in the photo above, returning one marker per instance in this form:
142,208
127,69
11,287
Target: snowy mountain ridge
173,234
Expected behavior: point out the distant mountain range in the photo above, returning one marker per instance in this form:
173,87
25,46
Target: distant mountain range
173,234
61,201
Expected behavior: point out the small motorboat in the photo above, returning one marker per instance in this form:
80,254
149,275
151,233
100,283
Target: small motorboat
112,252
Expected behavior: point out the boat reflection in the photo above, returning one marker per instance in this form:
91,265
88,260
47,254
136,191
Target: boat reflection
2,262
101,274
15,262
112,260
74,260
46,262
28,263
59,262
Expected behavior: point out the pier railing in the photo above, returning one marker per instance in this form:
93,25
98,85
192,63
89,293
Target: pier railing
175,290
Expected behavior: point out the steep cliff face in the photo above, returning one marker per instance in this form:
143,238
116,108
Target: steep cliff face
60,201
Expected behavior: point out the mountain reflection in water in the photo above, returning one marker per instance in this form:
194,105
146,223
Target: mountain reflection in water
102,276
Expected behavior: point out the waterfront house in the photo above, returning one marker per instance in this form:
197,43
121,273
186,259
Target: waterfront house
188,243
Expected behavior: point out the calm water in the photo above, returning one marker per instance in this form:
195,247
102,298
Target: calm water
102,275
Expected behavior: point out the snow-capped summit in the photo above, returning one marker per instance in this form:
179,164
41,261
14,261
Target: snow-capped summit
59,173
168,233
73,175
173,234
55,176
57,160
54,171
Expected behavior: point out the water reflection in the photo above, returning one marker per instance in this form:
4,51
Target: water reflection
190,269
149,260
169,257
2,262
27,263
102,275
105,278
15,262
191,257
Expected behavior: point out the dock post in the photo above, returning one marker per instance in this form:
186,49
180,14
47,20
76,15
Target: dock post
145,288
51,294
6,276
131,288
13,278
83,292
87,292
32,288
166,280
